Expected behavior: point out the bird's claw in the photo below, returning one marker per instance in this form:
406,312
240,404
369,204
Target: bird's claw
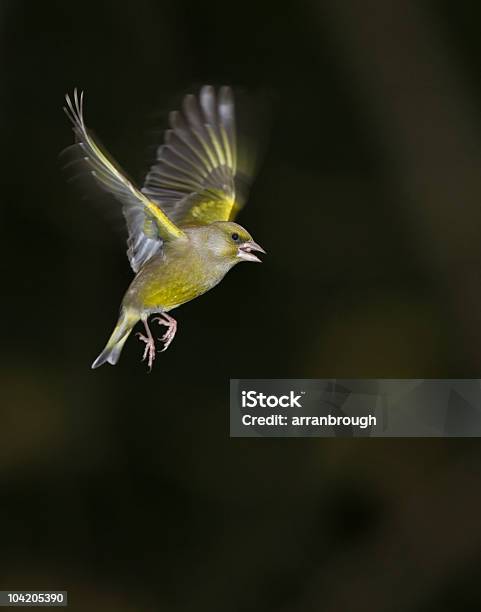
149,350
171,324
167,338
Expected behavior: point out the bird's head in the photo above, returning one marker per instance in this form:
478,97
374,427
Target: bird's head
232,242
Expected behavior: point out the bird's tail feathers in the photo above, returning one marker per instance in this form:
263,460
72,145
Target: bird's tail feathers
114,346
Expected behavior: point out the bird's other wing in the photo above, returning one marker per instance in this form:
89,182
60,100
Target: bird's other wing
148,226
199,176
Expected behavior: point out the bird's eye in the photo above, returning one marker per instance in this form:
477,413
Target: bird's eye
235,237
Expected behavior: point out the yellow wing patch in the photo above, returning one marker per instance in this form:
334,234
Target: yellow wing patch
208,211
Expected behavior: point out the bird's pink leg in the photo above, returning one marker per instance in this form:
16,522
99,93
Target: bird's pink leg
149,345
171,324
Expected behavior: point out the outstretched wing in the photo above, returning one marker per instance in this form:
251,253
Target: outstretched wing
147,224
198,175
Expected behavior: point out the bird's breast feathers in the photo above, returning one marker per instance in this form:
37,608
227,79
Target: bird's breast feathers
179,275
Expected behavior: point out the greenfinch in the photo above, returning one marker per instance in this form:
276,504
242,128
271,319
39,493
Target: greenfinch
181,236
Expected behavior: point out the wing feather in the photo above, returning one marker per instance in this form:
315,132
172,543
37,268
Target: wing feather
148,226
194,177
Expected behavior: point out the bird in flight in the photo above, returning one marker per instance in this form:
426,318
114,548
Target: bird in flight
181,236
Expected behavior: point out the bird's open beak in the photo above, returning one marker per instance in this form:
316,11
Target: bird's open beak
245,251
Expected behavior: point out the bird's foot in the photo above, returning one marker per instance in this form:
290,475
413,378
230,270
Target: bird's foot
149,351
171,324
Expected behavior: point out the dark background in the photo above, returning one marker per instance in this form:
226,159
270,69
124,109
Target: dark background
122,486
